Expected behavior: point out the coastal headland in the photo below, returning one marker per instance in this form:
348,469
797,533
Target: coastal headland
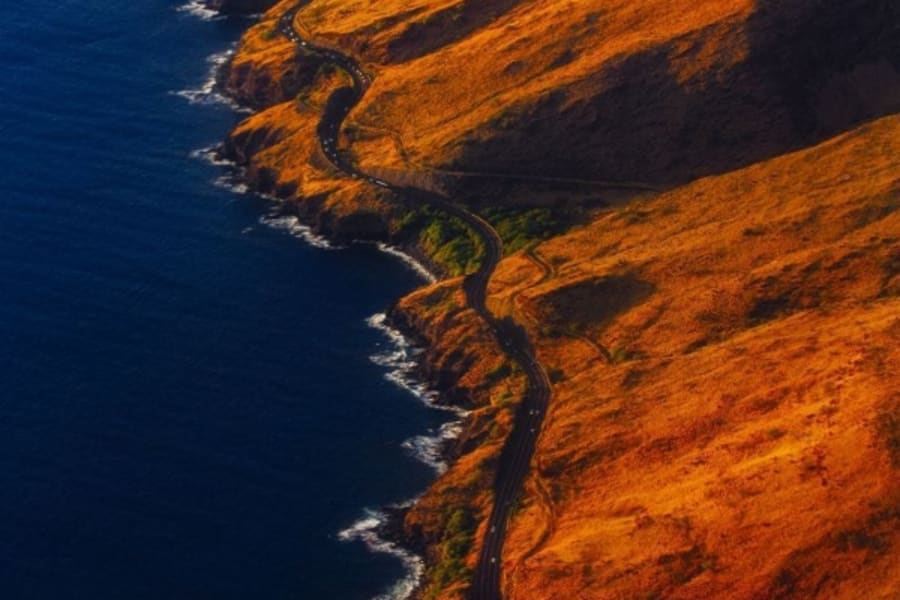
667,240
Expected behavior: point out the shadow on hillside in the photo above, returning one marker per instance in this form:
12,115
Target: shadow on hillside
813,69
844,62
593,303
445,27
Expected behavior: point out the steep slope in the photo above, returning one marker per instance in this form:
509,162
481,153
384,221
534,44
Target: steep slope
658,91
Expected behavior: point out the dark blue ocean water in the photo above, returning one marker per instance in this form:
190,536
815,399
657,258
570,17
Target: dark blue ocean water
188,409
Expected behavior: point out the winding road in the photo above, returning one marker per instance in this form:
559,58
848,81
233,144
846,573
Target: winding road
515,457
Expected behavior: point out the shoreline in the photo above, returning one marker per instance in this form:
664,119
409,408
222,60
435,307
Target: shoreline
381,529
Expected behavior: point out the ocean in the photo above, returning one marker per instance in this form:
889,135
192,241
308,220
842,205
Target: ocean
198,399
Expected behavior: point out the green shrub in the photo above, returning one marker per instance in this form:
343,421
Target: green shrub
621,354
459,521
459,530
520,227
451,244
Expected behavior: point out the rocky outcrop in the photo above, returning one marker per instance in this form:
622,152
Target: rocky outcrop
261,85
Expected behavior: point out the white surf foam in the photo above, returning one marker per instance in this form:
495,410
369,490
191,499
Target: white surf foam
429,448
292,225
366,530
199,9
211,155
232,184
399,360
208,92
233,181
408,261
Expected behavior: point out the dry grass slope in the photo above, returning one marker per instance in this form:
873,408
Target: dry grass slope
746,444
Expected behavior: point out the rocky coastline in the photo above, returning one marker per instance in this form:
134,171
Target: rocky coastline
415,526
715,347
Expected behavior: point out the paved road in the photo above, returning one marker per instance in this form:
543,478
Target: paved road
519,447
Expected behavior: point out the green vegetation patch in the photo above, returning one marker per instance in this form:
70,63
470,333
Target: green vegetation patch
520,227
271,33
459,525
446,239
622,354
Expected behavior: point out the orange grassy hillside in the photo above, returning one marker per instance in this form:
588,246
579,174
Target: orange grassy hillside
648,90
655,91
726,417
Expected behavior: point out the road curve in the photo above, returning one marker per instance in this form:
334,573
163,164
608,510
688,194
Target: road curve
516,454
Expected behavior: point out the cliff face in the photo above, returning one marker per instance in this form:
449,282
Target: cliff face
278,146
725,413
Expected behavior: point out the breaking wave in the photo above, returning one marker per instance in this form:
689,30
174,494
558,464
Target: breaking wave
399,360
211,155
367,530
208,92
409,261
430,448
199,9
293,226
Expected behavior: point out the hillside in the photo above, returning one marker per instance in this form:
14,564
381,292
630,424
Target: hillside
656,90
743,442
725,420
